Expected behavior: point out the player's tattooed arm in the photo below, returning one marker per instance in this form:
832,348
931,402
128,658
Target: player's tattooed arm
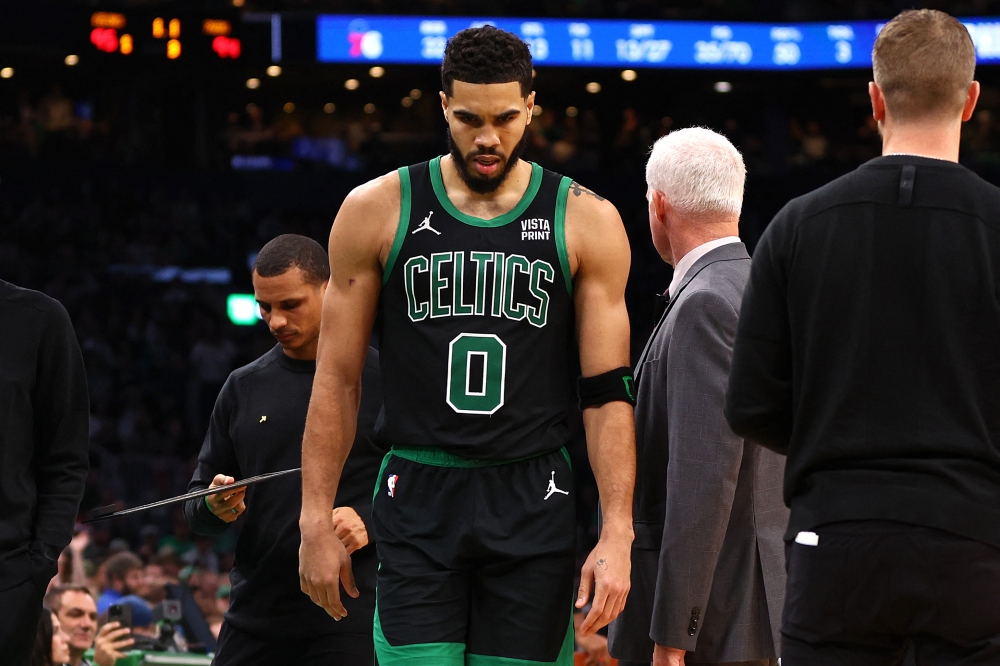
579,189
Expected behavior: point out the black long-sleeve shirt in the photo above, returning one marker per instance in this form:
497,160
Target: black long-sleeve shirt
44,414
868,349
257,427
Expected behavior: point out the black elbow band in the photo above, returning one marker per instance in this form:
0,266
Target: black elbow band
616,385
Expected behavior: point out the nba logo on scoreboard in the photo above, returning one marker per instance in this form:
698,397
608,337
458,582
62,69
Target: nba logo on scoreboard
391,482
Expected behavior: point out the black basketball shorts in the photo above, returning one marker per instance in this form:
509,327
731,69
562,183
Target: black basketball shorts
477,560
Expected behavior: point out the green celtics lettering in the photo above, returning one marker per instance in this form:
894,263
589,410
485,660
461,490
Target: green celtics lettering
446,275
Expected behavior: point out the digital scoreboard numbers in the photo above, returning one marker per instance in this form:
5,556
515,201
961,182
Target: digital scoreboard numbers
164,35
611,43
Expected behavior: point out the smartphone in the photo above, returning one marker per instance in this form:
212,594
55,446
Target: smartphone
120,613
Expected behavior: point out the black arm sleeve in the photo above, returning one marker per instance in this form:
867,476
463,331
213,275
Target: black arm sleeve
62,412
217,456
759,397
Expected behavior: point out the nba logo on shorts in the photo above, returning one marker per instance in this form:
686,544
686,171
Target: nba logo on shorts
392,484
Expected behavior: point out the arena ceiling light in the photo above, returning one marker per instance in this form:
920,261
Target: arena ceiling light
594,87
274,70
289,107
537,110
6,72
407,102
572,111
369,108
723,86
376,72
415,93
253,84
629,75
329,107
71,60
352,84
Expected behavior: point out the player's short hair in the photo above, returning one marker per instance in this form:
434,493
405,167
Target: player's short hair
54,597
699,171
486,55
924,62
118,565
290,250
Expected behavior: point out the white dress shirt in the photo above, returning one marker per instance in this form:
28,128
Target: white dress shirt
687,261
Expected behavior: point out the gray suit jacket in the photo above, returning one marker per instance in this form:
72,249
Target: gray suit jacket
708,565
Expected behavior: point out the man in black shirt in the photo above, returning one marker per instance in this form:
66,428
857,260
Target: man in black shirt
257,427
868,351
44,416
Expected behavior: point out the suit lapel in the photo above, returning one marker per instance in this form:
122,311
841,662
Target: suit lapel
727,252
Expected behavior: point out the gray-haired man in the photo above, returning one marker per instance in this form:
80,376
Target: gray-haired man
707,560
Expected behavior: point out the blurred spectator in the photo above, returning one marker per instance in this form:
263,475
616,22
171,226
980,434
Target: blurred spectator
51,647
76,610
154,585
125,577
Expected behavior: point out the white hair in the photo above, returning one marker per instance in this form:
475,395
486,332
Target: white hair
700,172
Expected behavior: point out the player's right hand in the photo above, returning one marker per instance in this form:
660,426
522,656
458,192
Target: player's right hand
226,506
323,565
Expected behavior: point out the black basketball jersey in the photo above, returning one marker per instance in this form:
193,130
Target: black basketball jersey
477,322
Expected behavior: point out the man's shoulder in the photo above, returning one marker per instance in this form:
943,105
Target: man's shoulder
260,364
31,301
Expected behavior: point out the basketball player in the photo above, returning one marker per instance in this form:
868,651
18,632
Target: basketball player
484,267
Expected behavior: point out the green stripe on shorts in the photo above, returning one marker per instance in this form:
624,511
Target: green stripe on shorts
419,654
565,657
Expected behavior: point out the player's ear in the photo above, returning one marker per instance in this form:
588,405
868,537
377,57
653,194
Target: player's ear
529,104
444,104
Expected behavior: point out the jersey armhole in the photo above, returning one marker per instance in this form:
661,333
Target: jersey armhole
560,231
404,222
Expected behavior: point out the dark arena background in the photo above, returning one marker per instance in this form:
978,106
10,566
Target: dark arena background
148,149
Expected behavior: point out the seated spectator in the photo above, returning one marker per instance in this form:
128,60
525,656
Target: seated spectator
124,573
51,647
154,587
76,611
170,563
202,555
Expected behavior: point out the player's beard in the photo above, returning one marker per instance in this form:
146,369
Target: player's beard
485,184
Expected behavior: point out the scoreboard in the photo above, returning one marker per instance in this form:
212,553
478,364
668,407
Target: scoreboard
623,43
166,35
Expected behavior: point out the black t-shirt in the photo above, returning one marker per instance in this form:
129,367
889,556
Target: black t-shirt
256,427
868,349
44,415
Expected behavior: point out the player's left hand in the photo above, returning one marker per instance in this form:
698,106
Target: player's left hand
608,571
668,656
350,528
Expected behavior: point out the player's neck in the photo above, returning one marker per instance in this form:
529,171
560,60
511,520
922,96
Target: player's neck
491,204
939,139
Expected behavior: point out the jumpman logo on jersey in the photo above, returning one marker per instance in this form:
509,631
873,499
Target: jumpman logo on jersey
426,225
552,487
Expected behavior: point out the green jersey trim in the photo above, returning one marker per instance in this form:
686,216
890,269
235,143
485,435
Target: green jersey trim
560,231
429,455
405,197
442,195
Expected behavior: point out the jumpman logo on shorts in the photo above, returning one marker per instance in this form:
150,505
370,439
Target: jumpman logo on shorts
426,225
552,487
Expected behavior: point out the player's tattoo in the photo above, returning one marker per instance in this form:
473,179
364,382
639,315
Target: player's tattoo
602,563
579,189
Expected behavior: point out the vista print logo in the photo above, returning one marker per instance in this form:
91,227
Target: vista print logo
364,42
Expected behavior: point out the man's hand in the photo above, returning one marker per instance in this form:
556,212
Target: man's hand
110,644
595,645
350,529
323,560
226,507
608,570
79,542
667,656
